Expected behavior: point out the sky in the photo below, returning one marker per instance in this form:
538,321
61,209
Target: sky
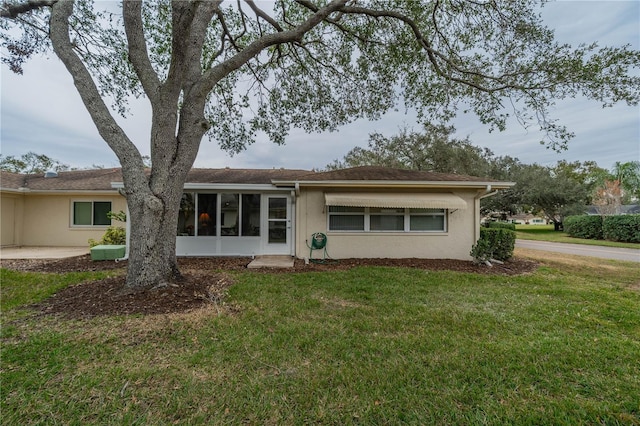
41,111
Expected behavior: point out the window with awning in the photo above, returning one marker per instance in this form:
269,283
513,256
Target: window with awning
396,201
359,212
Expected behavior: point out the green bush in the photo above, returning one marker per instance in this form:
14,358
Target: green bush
624,228
587,227
482,251
114,235
494,243
501,225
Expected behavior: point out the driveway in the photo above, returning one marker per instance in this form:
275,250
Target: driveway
41,252
632,255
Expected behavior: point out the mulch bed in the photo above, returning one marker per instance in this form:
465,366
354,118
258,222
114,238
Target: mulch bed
204,282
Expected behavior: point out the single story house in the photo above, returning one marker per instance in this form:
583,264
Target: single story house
622,209
365,212
527,219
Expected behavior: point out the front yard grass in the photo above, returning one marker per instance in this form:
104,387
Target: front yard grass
372,345
546,233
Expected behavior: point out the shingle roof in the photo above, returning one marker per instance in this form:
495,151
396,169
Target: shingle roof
10,180
246,176
77,180
378,173
101,179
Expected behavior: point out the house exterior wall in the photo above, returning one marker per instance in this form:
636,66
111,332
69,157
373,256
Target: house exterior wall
11,216
47,220
455,243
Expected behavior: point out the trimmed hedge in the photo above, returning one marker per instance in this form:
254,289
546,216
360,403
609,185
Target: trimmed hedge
623,228
494,243
587,227
501,225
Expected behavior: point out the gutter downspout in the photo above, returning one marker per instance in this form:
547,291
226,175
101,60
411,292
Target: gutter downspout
476,206
128,238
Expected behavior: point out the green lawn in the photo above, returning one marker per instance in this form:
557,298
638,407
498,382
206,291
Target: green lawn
546,233
371,345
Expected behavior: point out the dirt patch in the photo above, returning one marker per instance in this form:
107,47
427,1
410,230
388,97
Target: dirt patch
204,283
105,297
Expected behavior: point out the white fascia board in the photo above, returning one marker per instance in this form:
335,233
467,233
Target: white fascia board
262,187
234,187
68,191
395,184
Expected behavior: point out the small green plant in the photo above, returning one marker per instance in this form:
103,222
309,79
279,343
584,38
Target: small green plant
114,235
120,216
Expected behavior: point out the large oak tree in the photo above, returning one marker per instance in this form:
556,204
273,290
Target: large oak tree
231,69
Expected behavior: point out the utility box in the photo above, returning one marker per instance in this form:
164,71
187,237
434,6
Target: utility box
108,252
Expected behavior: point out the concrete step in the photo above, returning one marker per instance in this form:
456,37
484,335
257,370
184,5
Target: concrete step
271,261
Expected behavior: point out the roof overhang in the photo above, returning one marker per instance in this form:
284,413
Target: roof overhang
260,187
396,184
416,201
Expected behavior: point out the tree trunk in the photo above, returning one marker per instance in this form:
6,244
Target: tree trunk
152,243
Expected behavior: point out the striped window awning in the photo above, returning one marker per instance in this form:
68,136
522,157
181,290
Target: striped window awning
412,201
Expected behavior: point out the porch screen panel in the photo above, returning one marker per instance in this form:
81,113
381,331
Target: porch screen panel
207,207
251,215
229,223
186,215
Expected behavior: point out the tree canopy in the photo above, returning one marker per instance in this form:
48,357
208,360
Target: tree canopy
31,162
232,69
433,149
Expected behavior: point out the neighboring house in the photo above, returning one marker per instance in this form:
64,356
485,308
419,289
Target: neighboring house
364,211
527,219
61,210
623,209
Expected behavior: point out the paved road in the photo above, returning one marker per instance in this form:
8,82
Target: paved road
616,253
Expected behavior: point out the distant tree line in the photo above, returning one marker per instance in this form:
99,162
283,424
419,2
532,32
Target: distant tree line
34,163
555,192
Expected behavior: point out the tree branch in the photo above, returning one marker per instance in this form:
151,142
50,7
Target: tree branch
138,54
12,10
261,14
218,72
113,134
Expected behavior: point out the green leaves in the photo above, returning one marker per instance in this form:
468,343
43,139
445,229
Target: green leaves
495,59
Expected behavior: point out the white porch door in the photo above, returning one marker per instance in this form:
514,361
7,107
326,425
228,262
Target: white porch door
277,238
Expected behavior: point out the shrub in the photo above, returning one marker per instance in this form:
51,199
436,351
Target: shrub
588,227
501,225
624,228
481,251
494,243
114,235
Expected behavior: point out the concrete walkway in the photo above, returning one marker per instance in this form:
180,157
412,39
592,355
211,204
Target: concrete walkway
41,252
271,262
616,253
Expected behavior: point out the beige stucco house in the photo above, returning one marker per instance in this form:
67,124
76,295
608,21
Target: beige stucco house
364,211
